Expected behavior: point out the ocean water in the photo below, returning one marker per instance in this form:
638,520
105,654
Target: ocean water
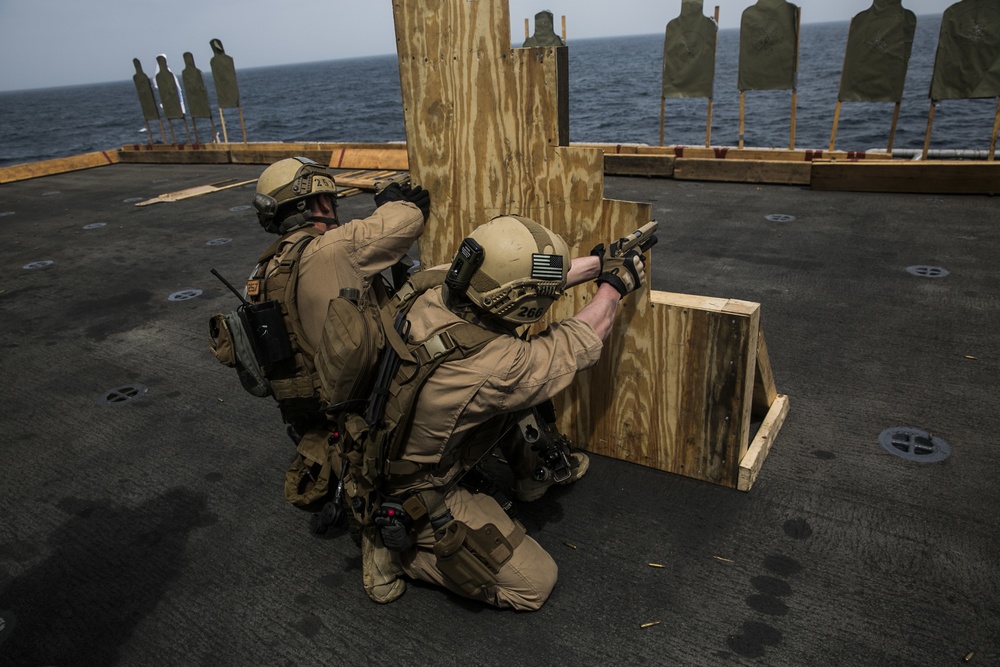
614,98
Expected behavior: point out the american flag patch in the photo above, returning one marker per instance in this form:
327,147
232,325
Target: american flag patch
547,267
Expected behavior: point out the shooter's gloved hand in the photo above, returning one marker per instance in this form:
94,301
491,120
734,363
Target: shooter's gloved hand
412,193
626,273
641,240
604,253
394,525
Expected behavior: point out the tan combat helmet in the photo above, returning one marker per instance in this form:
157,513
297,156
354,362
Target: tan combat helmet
282,191
522,271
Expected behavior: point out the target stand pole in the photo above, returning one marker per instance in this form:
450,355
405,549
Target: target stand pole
222,119
892,130
930,126
996,131
836,122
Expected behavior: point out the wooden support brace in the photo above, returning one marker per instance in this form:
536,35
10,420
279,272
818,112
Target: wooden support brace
752,461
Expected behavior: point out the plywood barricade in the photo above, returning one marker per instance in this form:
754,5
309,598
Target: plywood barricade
487,134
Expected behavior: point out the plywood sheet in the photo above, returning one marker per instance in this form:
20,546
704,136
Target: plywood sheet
486,129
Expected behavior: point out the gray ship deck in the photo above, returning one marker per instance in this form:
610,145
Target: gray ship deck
154,532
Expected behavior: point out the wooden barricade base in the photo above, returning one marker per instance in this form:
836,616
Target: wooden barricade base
707,383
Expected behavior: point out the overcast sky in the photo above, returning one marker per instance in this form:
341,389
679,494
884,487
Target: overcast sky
48,43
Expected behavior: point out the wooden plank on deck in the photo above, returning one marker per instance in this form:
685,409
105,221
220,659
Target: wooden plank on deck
21,172
778,172
919,177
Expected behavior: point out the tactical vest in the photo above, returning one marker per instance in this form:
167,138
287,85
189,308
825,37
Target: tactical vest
375,417
294,383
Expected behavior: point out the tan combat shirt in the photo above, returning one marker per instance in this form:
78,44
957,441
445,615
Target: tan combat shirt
349,256
507,375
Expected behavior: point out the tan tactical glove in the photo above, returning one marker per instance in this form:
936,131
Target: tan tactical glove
626,273
641,239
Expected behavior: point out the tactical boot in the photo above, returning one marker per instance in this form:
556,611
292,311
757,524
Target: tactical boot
380,574
530,489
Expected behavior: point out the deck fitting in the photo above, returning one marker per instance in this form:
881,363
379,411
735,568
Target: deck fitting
184,295
122,394
928,271
914,444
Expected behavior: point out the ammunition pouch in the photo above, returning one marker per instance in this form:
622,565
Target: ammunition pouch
231,344
221,340
471,559
349,349
311,478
